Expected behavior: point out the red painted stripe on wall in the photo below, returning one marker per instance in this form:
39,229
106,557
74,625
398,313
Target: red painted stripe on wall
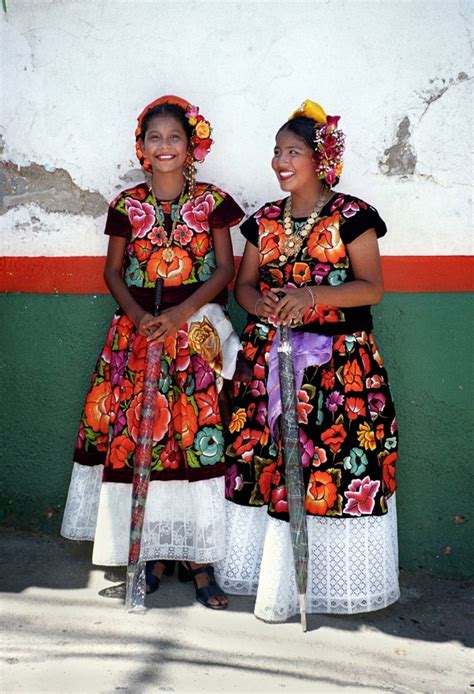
83,274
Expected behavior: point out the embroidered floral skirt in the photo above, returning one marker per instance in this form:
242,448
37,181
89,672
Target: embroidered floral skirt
185,508
348,432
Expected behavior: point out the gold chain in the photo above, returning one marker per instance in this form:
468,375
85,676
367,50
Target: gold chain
292,242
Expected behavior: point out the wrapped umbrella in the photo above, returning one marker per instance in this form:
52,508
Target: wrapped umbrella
293,468
136,583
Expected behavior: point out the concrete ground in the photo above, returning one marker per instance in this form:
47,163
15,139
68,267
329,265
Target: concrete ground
60,635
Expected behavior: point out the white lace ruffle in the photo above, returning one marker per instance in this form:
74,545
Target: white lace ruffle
353,563
183,520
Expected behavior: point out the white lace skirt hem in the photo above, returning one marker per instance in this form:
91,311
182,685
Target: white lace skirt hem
353,563
183,520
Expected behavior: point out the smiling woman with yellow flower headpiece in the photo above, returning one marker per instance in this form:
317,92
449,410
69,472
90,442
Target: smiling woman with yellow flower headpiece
311,261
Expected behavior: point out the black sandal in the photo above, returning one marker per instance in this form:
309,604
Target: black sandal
152,581
204,594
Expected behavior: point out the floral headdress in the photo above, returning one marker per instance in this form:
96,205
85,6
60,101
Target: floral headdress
329,140
200,142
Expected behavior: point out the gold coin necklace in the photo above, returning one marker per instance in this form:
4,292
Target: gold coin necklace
168,253
290,245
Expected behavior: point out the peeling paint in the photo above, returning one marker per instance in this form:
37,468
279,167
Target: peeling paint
53,190
400,159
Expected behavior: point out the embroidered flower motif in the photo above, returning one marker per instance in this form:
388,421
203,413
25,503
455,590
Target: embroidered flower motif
366,437
182,234
360,497
120,451
334,401
171,264
355,407
210,441
233,481
97,407
322,493
319,457
141,216
238,420
325,243
307,449
356,461
334,437
196,212
387,461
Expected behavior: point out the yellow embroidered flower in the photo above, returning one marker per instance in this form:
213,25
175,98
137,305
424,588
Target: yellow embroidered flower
310,109
366,437
202,129
204,340
238,420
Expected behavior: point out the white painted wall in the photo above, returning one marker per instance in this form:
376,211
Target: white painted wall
77,73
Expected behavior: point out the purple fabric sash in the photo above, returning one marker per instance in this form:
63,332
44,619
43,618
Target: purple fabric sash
309,349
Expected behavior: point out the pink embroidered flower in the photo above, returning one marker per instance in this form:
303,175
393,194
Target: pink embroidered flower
157,236
350,209
270,212
257,388
183,234
337,203
319,456
141,216
307,449
196,212
360,497
303,407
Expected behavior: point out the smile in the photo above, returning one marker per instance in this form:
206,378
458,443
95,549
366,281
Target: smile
285,175
165,157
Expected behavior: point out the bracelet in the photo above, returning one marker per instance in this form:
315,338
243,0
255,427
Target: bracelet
312,295
255,310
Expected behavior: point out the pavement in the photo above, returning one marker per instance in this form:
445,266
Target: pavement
59,635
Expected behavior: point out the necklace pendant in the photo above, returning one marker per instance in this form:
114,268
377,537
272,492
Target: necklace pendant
283,258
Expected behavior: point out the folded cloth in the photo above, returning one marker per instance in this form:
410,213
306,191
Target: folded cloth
211,335
309,349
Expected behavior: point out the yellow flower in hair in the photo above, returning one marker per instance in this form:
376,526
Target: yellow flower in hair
310,109
192,121
202,130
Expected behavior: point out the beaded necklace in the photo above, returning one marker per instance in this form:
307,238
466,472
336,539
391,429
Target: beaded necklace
291,243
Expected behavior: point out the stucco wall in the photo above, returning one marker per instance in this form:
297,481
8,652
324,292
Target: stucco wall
75,76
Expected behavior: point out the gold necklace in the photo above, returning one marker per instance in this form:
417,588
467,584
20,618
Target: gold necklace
167,253
291,243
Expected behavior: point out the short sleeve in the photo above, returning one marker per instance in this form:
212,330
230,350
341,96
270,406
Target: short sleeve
249,229
357,217
118,223
227,214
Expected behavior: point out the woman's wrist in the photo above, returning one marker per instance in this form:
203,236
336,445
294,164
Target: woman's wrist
312,292
256,306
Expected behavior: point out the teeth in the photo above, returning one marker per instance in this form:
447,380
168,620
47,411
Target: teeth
285,174
166,156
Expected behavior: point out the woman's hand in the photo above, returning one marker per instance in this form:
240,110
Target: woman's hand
158,328
265,305
291,307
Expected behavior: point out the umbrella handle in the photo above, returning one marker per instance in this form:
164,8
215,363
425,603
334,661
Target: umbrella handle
158,296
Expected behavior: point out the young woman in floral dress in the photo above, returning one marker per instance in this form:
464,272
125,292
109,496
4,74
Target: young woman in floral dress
175,229
311,261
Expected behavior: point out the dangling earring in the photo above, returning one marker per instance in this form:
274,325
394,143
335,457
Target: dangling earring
190,173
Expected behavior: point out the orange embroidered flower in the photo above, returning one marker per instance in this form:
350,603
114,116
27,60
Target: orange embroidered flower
200,244
327,379
355,407
322,493
268,477
245,443
388,460
270,233
301,273
143,249
366,437
352,375
120,450
334,437
208,407
138,354
172,264
238,420
124,329
324,242
185,420
97,407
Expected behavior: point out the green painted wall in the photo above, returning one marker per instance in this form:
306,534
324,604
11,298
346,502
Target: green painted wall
49,345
